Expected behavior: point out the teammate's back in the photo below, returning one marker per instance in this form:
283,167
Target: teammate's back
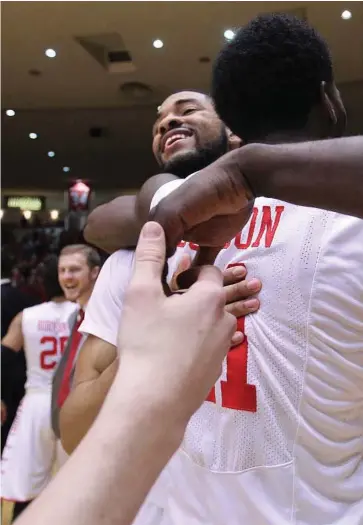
45,331
283,424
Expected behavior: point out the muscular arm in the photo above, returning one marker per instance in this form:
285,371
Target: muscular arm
117,224
13,339
325,174
213,206
95,370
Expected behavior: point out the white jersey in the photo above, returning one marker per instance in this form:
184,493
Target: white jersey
45,332
279,440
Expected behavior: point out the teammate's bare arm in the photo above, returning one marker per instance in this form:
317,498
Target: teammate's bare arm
117,224
326,174
214,205
95,370
13,339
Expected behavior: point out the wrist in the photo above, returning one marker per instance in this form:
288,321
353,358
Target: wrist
254,161
139,411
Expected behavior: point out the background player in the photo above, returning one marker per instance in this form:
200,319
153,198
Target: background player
78,270
30,450
283,445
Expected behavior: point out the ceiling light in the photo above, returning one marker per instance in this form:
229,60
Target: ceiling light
51,154
33,136
66,169
229,34
158,44
50,53
10,112
54,214
346,15
27,214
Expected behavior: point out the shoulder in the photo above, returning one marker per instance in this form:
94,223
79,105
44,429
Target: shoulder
338,286
122,260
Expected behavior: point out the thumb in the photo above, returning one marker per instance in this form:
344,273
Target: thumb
150,254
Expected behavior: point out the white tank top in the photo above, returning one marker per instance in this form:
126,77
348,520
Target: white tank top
279,440
45,331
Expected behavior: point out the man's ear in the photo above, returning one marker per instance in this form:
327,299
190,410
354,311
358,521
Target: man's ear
234,142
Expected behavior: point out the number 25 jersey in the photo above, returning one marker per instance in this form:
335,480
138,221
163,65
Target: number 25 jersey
45,332
279,440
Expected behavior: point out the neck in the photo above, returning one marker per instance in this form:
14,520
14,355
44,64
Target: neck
58,299
83,299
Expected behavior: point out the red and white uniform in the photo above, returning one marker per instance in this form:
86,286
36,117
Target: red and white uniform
31,447
279,440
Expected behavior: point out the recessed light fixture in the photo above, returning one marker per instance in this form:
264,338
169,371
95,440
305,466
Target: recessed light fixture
229,34
158,44
10,112
27,214
50,53
33,136
51,154
346,15
66,169
54,215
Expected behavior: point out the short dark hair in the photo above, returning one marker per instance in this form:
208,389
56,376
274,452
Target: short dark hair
92,256
48,272
268,78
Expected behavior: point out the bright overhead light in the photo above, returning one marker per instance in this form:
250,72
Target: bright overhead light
27,214
346,15
50,53
10,112
33,136
51,154
229,34
158,44
66,169
54,215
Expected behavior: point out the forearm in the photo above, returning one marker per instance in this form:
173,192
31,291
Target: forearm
108,477
117,224
82,407
324,174
114,225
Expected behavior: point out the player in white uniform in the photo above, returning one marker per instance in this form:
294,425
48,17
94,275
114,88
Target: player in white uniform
279,439
31,450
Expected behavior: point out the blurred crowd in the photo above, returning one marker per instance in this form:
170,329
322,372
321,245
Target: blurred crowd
22,253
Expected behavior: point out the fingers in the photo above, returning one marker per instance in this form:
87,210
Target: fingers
242,290
242,308
237,339
209,274
233,275
149,256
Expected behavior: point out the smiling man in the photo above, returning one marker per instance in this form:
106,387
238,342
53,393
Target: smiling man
78,269
188,135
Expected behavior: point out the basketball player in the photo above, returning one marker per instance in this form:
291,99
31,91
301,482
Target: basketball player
99,352
101,482
79,266
30,450
279,438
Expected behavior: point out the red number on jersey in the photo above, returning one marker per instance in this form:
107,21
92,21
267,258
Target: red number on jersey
51,351
236,392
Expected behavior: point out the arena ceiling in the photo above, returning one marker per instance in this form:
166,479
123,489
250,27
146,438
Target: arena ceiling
101,46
